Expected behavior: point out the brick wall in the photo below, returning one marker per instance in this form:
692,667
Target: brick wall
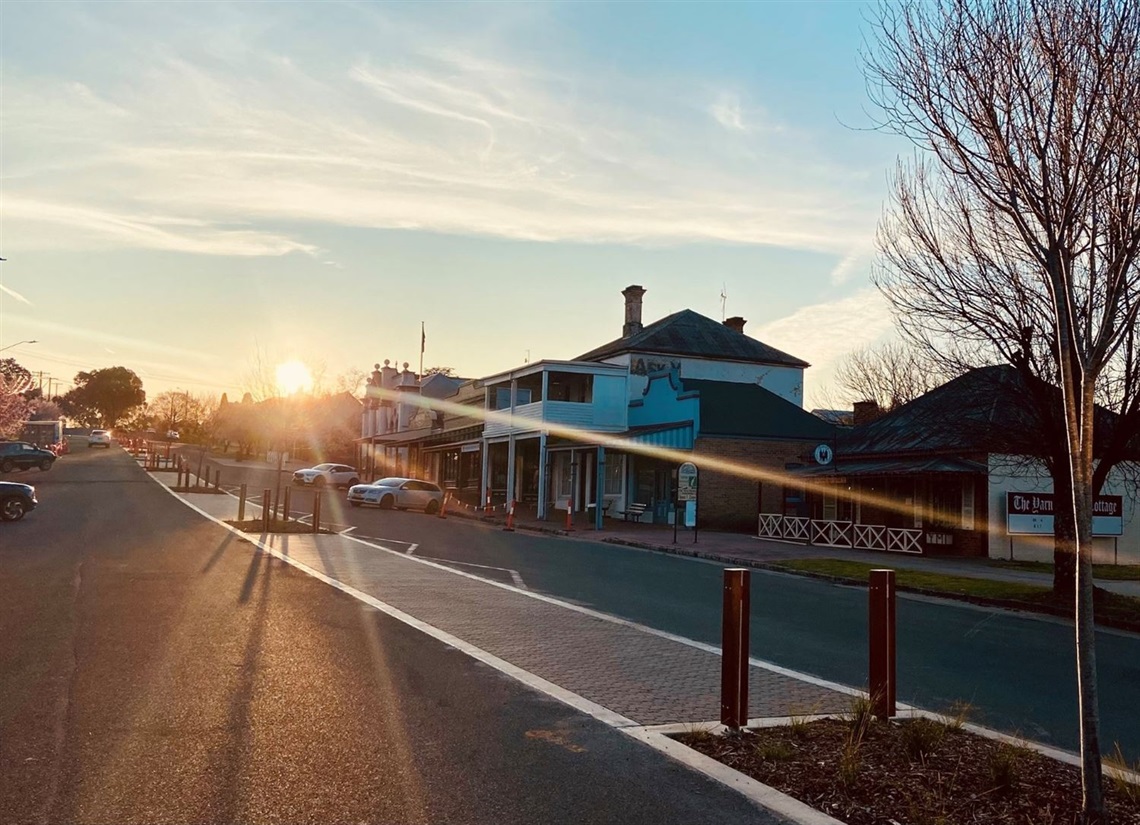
730,502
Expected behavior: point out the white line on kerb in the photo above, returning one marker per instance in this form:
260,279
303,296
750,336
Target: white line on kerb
410,551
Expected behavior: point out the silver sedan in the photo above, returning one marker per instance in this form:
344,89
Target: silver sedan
400,493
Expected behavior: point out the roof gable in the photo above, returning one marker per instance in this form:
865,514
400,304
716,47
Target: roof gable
692,334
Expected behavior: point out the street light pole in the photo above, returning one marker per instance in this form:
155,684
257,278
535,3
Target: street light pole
30,341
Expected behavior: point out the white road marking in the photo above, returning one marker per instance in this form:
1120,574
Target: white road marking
348,530
411,549
515,577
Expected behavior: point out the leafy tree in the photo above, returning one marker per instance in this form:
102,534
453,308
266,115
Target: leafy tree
448,371
104,397
13,409
40,409
1016,236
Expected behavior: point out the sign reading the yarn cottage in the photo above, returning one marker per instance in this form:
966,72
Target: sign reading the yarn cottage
687,482
1032,514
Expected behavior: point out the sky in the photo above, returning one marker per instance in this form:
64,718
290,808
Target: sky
191,189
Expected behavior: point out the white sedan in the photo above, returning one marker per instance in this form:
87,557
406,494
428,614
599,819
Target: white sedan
334,475
401,493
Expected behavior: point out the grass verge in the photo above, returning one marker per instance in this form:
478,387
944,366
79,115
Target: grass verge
1105,572
1110,608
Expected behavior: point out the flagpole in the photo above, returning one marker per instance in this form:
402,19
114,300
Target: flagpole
423,343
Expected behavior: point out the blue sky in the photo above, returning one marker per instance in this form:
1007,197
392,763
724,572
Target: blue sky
188,185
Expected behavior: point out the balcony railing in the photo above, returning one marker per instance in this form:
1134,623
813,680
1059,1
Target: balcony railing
528,417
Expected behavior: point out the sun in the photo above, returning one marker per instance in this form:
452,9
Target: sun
293,377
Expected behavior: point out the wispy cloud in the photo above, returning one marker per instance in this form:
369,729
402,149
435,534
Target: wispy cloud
824,333
849,264
14,294
210,151
105,338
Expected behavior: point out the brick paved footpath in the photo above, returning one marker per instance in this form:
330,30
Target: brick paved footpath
642,676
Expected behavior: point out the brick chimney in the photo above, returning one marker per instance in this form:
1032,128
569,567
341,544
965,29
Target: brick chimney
633,323
735,323
866,412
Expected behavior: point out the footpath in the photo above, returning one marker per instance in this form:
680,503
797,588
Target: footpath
646,677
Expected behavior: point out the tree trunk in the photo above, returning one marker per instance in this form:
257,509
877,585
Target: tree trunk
1064,542
1093,812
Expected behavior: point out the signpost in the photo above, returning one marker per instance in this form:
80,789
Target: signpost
686,492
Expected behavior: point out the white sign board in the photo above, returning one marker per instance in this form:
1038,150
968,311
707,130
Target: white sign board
687,482
1032,514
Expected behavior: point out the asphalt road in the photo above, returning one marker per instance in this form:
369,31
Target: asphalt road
1016,671
155,670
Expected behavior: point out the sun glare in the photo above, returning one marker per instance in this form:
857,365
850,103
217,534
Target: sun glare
293,377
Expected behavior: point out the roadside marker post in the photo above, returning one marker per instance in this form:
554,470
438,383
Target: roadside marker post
265,511
443,507
317,511
276,503
286,507
734,648
487,505
881,632
218,480
570,514
510,528
241,503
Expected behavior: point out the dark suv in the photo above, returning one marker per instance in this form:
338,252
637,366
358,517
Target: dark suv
18,454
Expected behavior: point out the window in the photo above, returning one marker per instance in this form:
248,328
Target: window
450,469
615,464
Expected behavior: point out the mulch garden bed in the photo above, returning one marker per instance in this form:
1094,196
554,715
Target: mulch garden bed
911,772
255,525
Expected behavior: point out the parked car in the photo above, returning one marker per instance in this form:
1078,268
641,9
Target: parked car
401,493
16,500
20,454
334,475
99,438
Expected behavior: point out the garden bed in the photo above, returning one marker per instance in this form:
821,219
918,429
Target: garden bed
913,771
256,525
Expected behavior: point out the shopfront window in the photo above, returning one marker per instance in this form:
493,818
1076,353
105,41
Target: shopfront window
615,465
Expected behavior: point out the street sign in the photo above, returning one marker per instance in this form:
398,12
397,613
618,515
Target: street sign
687,482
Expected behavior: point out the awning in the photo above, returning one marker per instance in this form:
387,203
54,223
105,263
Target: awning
675,436
894,467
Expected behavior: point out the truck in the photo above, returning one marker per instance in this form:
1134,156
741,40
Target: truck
45,434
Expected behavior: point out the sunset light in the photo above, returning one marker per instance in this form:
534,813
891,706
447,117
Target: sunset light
293,377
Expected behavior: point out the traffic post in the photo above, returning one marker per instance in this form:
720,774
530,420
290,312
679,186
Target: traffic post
881,633
734,648
265,510
286,506
241,503
317,511
510,527
443,506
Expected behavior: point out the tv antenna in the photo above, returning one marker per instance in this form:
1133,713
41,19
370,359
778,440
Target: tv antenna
723,301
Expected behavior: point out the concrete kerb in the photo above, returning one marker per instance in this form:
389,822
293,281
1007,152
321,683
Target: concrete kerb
654,736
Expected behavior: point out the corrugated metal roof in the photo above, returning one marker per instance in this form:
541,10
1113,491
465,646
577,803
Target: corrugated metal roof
690,333
749,410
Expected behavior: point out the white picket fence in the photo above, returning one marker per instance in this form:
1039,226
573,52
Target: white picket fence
830,533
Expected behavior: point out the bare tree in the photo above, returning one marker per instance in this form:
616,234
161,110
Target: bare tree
890,374
1015,233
